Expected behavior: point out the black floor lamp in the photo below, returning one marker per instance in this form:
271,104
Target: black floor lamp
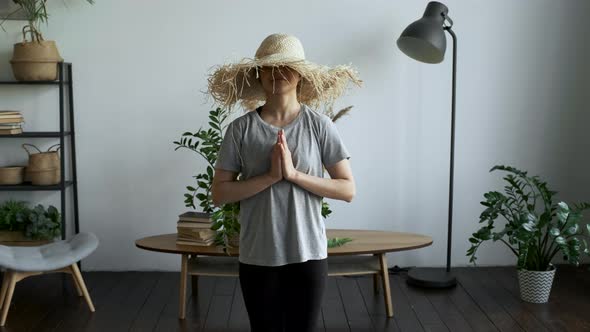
425,41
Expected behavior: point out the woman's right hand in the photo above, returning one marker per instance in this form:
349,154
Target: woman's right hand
276,169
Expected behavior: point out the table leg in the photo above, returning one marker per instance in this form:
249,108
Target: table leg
376,281
183,275
386,290
195,285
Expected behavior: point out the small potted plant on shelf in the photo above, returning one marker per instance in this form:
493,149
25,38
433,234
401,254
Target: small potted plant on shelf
35,59
224,219
536,230
21,225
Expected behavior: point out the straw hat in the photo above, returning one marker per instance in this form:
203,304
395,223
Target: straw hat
319,84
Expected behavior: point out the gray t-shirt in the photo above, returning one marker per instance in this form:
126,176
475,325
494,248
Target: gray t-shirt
283,223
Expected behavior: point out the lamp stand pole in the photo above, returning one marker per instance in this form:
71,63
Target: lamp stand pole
437,278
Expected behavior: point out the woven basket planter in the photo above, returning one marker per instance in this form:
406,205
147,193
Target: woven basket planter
535,286
35,61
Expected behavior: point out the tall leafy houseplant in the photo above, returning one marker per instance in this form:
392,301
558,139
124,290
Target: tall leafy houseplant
206,143
536,228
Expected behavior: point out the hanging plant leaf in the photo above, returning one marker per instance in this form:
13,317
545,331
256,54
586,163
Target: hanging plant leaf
573,229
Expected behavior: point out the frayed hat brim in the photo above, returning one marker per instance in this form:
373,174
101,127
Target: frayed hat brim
237,82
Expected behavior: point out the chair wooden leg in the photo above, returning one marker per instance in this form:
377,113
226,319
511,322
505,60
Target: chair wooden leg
386,290
183,277
5,278
78,288
82,285
8,297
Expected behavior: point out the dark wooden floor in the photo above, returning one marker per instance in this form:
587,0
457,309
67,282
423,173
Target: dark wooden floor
486,299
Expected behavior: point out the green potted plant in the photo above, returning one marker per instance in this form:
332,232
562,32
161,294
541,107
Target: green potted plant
206,143
35,58
21,225
536,229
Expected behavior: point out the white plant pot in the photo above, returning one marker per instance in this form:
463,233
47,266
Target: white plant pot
535,286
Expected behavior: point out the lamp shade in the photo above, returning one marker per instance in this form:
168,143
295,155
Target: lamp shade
424,40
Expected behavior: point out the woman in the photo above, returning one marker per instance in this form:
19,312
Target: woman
281,148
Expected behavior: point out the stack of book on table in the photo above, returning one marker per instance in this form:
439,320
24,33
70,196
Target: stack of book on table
11,122
194,228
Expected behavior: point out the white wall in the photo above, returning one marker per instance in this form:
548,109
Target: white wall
140,70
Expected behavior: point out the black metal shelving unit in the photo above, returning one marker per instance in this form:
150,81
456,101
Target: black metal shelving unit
66,100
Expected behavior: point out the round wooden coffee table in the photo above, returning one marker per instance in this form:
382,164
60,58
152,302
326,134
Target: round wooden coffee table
364,255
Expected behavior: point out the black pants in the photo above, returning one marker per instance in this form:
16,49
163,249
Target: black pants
283,298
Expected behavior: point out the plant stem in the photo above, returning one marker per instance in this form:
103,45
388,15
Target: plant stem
509,246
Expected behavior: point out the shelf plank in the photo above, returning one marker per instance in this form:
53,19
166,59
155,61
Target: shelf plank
337,265
36,134
31,82
27,186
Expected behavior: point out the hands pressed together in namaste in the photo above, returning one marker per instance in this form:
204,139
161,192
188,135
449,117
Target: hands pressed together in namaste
281,166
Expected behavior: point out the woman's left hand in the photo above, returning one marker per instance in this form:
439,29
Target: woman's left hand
289,171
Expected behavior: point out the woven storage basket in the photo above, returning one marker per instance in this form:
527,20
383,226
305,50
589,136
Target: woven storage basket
12,175
35,61
535,286
27,176
42,160
45,177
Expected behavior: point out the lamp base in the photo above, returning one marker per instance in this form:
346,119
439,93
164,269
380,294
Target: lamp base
431,278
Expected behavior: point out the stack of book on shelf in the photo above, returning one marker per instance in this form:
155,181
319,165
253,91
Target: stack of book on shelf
10,122
194,228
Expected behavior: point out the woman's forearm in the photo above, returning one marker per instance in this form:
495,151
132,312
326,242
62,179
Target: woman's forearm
233,191
342,189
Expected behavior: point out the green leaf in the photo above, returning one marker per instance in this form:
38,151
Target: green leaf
563,212
588,228
190,188
531,218
214,125
337,242
573,229
560,240
529,226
